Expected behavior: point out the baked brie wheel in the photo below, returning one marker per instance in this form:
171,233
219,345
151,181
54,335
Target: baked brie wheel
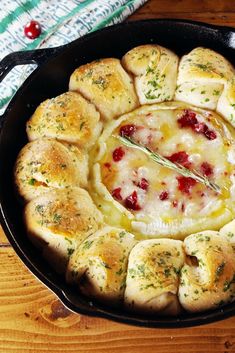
128,180
153,200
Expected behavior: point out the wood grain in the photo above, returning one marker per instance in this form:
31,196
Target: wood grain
221,12
32,319
3,239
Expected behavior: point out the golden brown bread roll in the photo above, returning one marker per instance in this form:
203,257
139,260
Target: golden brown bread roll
208,279
47,163
68,117
99,264
226,102
206,79
201,78
155,71
58,220
153,276
106,84
228,231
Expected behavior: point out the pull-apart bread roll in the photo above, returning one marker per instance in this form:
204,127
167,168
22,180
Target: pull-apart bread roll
99,264
68,117
155,72
58,220
206,79
208,280
226,103
153,276
47,163
107,85
228,231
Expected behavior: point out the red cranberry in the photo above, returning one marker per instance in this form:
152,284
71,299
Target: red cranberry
200,128
107,165
164,195
211,135
131,202
116,193
118,154
127,130
180,157
32,29
188,119
185,184
206,169
143,184
175,203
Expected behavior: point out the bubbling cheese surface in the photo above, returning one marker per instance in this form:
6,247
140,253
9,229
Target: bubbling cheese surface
153,201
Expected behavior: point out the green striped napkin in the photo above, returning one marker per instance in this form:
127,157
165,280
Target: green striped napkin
62,21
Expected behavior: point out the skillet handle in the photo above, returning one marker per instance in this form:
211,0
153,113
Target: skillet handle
38,57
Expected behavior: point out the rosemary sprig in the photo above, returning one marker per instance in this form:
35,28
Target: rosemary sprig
156,157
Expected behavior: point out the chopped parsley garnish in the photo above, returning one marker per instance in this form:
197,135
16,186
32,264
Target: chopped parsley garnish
70,251
57,218
87,244
149,95
100,82
219,270
167,272
39,209
81,125
32,181
105,265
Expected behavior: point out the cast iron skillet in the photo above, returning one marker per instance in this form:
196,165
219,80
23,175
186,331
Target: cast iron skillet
50,79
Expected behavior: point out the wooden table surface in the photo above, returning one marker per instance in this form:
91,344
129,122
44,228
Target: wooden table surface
32,319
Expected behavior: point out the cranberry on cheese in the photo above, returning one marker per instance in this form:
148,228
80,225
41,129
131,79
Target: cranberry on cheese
155,200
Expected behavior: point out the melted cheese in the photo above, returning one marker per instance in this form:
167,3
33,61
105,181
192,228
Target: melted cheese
182,211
